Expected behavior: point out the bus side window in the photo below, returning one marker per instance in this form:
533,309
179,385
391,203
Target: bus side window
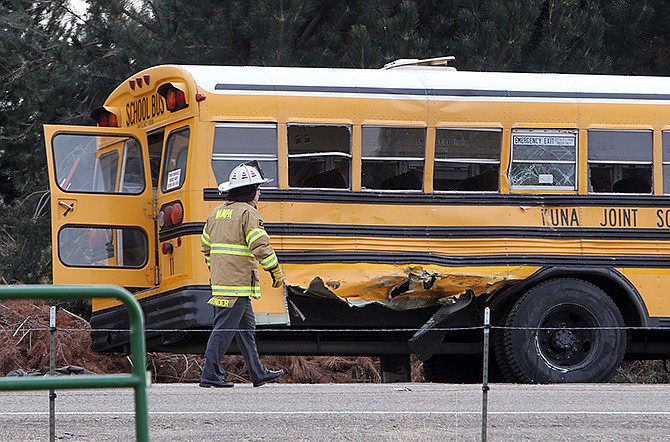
620,161
467,159
319,156
174,163
393,157
666,163
236,143
544,159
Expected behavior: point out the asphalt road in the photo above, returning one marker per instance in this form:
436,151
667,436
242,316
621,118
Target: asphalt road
348,412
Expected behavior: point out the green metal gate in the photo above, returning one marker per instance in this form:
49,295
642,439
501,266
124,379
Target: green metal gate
137,379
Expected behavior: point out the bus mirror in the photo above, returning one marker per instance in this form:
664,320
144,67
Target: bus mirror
175,97
106,116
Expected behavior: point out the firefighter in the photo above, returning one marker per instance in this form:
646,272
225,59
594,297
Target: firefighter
234,243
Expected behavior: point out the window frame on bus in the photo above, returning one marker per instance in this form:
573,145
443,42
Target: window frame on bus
617,135
332,154
547,132
92,162
167,156
235,159
468,161
665,160
399,159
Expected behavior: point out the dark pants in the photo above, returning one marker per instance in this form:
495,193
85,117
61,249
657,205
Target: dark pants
239,322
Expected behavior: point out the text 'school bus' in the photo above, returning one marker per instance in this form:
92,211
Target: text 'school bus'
405,200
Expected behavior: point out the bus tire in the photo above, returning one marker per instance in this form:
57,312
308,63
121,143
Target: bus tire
550,337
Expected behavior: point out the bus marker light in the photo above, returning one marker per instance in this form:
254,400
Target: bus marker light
179,242
200,97
147,77
131,83
166,248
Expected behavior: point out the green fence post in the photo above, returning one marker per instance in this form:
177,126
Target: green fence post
136,380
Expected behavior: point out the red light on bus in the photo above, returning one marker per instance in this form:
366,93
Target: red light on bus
177,214
167,216
175,98
167,248
171,215
105,118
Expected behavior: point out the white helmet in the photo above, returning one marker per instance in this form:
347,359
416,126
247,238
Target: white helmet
245,174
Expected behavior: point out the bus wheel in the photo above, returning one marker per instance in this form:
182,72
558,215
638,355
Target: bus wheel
563,330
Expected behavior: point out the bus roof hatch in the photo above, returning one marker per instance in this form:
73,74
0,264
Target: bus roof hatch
404,63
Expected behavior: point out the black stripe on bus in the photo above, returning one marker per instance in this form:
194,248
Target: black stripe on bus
438,232
488,93
439,199
473,260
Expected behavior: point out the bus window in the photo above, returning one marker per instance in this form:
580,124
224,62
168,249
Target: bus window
102,247
174,163
393,157
236,143
620,161
155,141
467,159
106,171
544,159
90,163
319,156
132,173
666,163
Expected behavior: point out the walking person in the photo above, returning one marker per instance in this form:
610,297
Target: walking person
234,243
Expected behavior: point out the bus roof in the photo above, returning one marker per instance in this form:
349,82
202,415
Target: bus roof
427,82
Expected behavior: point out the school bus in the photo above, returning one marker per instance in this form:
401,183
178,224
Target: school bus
404,201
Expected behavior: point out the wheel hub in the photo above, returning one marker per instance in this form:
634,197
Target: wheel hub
563,339
567,340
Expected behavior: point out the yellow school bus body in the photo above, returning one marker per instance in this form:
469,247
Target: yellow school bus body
407,251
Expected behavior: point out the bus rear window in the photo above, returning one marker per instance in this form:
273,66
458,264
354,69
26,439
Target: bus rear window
102,247
98,164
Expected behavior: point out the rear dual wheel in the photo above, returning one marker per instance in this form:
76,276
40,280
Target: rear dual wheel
563,330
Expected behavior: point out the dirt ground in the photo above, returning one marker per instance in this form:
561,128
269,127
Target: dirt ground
24,345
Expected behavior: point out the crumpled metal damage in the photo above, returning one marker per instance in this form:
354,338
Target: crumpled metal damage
416,286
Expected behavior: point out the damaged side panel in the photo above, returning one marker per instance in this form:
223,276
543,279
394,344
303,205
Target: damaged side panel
405,290
402,287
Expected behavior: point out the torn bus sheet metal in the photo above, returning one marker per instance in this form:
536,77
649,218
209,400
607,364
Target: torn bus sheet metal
411,288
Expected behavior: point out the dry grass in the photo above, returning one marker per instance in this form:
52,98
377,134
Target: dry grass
24,344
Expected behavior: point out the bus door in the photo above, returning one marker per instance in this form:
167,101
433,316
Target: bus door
102,206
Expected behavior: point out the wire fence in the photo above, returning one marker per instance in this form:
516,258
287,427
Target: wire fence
23,328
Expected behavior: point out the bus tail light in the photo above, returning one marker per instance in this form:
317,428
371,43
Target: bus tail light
106,116
175,96
167,248
171,215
